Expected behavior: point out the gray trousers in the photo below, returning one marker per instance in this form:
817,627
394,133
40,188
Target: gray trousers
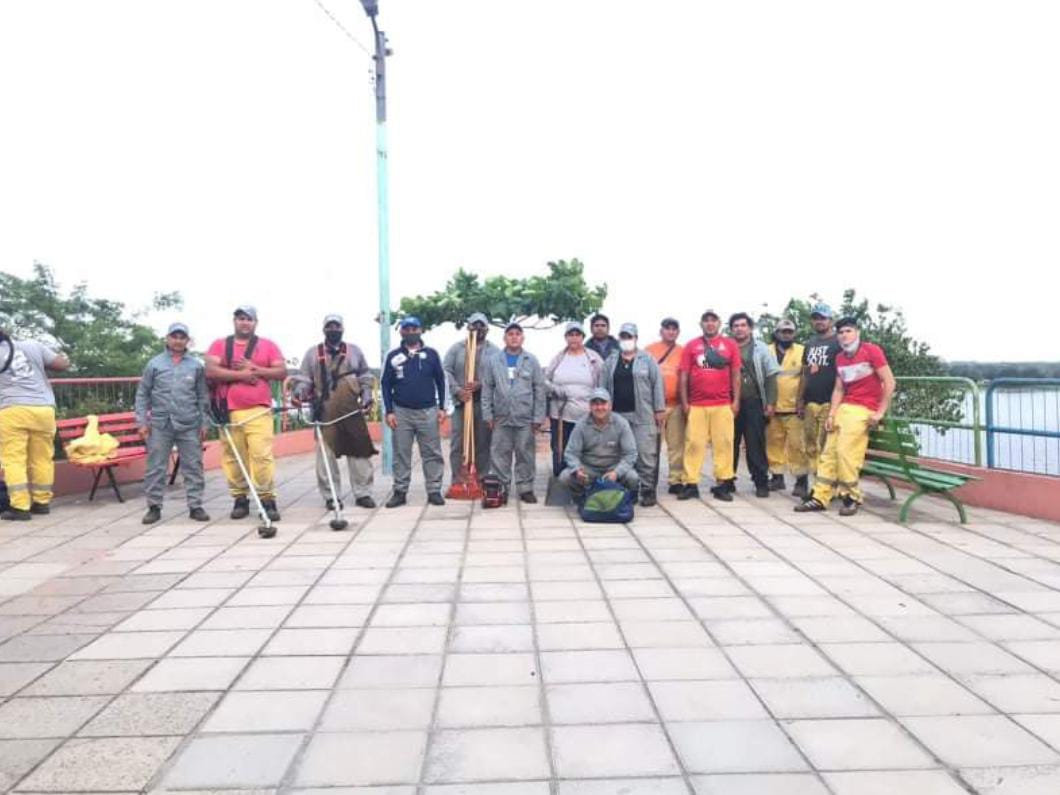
647,436
362,474
420,425
456,440
517,440
159,445
577,488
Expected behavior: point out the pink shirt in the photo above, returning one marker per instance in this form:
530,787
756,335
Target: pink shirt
241,394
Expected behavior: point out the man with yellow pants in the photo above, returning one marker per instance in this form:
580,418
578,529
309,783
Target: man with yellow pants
27,425
864,386
240,368
709,387
785,445
818,381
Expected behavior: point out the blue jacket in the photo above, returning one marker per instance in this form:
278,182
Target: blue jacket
413,380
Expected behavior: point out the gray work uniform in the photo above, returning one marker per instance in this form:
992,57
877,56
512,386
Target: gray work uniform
598,450
453,364
353,364
648,398
514,399
413,388
172,400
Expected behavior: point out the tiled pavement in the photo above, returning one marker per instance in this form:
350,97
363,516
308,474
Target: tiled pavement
706,648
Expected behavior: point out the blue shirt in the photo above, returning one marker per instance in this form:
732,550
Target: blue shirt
413,379
512,359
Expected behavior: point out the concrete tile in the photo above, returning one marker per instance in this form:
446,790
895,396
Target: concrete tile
700,701
613,750
751,631
650,610
565,591
103,764
663,664
88,678
877,659
362,759
233,761
1043,653
1011,627
980,741
288,642
588,666
840,629
496,638
922,694
743,746
427,614
24,718
379,710
493,788
760,784
972,658
268,617
599,702
589,635
254,597
272,711
227,642
1013,780
1047,727
484,754
872,743
17,757
402,640
467,707
15,676
888,782
162,620
42,648
322,616
407,670
495,592
665,634
1016,692
146,714
291,673
568,611
626,786
191,597
721,607
830,697
490,669
489,613
788,661
191,673
128,646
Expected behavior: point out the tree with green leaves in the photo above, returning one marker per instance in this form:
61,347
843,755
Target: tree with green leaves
100,336
535,302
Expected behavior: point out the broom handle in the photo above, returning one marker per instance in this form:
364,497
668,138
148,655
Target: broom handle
469,422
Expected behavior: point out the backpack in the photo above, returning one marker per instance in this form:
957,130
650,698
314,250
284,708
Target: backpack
219,390
607,502
492,492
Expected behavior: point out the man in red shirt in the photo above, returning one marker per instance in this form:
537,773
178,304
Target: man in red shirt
244,382
863,389
709,388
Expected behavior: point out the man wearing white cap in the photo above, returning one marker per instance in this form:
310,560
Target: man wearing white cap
470,392
171,405
601,446
336,375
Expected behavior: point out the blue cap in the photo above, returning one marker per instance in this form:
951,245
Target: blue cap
824,310
410,320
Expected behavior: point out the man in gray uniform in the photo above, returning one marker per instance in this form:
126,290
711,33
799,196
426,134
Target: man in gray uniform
601,446
464,394
636,385
171,409
513,406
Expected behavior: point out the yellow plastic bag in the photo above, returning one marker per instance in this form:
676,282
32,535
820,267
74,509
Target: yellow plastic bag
94,446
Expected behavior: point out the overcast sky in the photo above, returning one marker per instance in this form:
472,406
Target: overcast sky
692,154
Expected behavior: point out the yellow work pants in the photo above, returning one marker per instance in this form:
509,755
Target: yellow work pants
814,433
674,434
785,444
711,425
253,440
844,454
27,451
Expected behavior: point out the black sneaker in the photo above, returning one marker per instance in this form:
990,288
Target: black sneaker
16,515
40,508
240,508
728,485
723,493
528,497
271,510
763,490
396,499
776,483
364,502
802,488
154,513
850,507
675,488
435,498
688,492
810,504
330,504
198,515
647,499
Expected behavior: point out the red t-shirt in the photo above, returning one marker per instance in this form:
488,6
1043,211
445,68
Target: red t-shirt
710,379
861,385
243,395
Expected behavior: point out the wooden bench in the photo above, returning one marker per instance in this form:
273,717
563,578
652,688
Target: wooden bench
893,455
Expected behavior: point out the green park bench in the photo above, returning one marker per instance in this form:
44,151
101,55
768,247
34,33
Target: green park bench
893,455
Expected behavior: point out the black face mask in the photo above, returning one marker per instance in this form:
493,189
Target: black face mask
333,338
412,339
783,344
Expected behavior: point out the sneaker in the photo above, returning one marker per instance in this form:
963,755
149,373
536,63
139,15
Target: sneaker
675,488
330,504
435,498
396,499
850,507
723,493
810,504
271,510
40,508
802,488
763,490
647,499
527,497
154,513
364,502
198,515
688,492
16,515
240,508
728,485
776,483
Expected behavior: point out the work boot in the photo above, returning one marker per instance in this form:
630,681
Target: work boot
647,499
330,504
762,490
675,488
435,498
154,513
802,488
240,508
527,497
850,506
729,485
810,504
16,515
364,502
776,483
723,493
271,510
198,515
689,491
40,508
396,499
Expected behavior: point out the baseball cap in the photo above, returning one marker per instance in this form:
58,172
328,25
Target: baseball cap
574,325
410,320
846,322
332,319
178,328
670,321
787,324
824,310
512,325
599,394
710,313
248,310
477,317
628,328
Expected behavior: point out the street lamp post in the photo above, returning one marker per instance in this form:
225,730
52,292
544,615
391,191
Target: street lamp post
371,8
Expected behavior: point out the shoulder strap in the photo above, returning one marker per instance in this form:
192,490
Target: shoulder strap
10,353
230,346
251,344
666,355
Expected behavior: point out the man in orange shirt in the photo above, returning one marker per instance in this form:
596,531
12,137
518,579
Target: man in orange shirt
667,354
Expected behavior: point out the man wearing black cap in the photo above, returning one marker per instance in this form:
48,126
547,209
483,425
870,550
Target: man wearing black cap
336,373
513,404
667,354
465,392
818,381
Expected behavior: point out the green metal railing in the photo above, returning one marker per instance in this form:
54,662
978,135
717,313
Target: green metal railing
936,434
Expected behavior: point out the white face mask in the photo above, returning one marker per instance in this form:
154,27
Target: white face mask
851,347
627,346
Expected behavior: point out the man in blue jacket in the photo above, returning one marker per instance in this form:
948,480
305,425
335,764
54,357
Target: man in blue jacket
413,386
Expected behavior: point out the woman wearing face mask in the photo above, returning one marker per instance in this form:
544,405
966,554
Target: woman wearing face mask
570,378
636,385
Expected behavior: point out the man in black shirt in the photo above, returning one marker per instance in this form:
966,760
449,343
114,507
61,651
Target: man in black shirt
818,381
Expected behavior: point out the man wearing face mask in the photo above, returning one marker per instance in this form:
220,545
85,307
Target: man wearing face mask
413,387
633,379
336,373
784,434
863,389
469,393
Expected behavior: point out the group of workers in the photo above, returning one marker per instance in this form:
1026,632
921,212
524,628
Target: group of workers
608,403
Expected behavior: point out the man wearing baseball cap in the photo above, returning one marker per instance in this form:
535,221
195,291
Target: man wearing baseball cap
239,368
785,445
818,380
667,354
171,406
601,446
465,392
